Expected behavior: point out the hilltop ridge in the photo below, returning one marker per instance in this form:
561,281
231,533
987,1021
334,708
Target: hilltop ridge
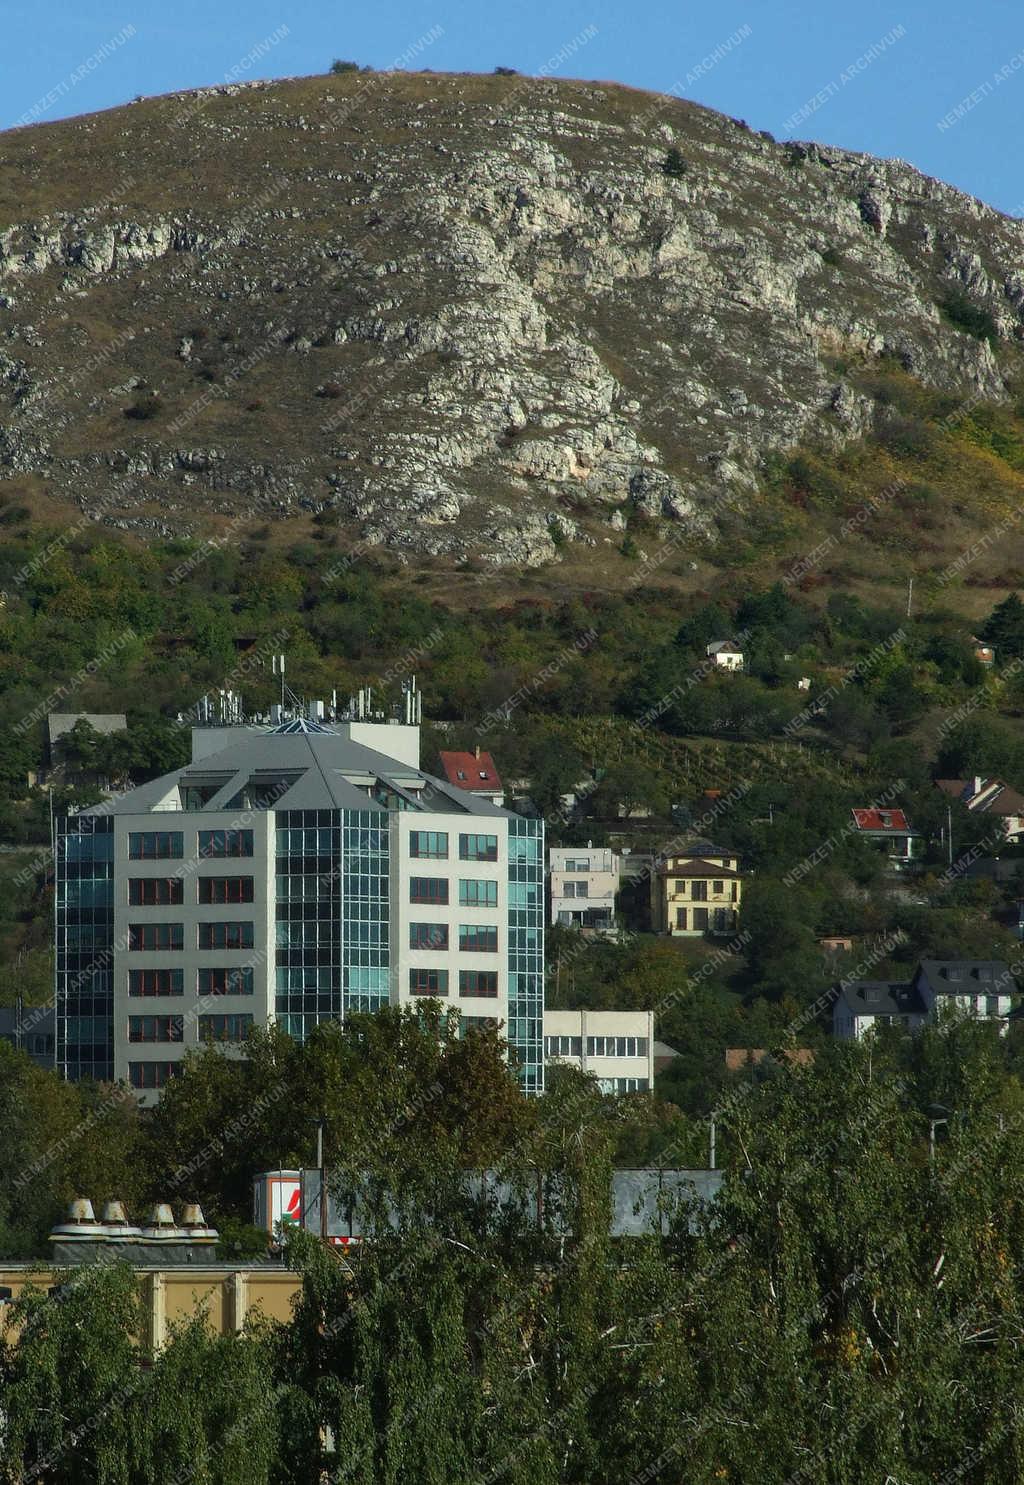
467,316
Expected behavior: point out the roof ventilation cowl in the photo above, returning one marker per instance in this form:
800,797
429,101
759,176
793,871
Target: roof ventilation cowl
195,1225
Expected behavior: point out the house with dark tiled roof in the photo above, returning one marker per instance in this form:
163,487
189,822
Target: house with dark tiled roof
989,797
981,988
892,832
696,891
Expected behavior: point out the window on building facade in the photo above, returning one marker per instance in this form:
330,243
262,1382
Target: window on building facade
155,1028
477,893
155,845
476,1023
699,891
429,889
700,918
616,1046
577,863
225,980
428,845
718,888
478,982
478,848
156,982
428,982
576,889
225,889
156,936
563,1046
155,891
227,1028
235,935
478,939
680,917
214,843
151,1074
428,936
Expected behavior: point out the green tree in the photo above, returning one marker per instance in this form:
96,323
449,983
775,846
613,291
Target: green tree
1004,629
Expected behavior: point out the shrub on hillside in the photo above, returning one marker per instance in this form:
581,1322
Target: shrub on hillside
961,311
145,406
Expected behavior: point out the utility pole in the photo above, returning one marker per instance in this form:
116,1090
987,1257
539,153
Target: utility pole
949,831
323,1179
910,595
711,1152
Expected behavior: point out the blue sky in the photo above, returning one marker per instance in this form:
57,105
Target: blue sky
932,81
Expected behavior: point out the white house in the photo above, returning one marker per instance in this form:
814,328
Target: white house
583,887
979,988
616,1046
725,654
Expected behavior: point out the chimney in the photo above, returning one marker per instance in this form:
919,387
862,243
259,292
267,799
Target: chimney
977,783
477,750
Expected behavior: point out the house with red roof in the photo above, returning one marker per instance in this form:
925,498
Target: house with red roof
475,772
891,830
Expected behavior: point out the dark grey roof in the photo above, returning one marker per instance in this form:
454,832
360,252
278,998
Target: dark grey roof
966,977
880,998
328,769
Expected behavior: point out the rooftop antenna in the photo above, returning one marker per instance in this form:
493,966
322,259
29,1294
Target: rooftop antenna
277,668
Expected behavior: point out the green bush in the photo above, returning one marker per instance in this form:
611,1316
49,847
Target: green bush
337,66
145,406
674,165
961,311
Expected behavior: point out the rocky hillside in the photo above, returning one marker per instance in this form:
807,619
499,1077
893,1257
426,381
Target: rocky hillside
474,315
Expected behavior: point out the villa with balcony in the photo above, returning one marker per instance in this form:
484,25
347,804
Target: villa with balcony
696,891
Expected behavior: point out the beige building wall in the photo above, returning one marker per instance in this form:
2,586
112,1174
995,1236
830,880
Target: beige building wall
616,1046
227,1294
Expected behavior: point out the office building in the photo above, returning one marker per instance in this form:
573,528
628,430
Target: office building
294,874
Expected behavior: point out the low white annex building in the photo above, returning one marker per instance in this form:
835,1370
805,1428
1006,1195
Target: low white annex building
616,1046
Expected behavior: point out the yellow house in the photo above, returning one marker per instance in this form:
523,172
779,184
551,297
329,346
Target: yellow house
696,891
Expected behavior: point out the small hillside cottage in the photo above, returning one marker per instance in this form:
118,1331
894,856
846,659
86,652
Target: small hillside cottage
725,654
891,830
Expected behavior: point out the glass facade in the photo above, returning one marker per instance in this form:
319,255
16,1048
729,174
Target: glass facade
84,933
526,949
333,909
308,929
366,903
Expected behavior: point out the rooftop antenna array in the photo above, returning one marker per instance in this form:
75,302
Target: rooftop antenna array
224,707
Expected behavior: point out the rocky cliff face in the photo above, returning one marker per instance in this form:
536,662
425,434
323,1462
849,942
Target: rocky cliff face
469,315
